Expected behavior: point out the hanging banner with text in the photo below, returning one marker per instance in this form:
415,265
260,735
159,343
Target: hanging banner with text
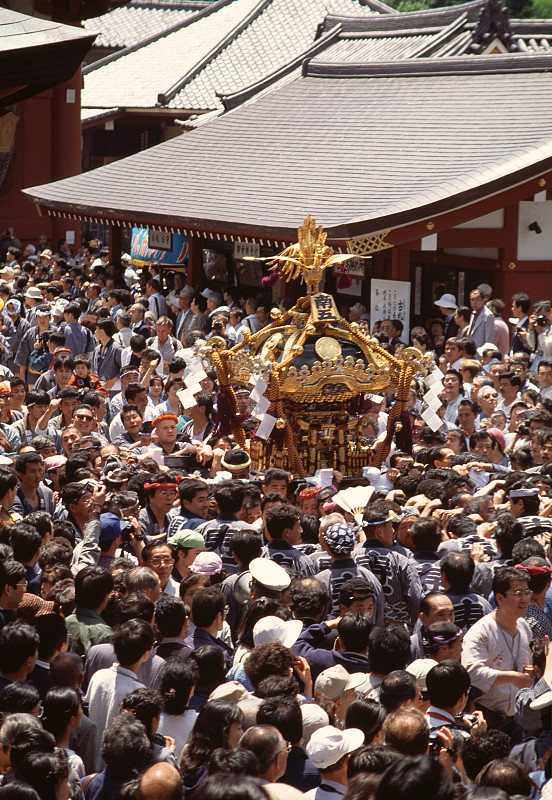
169,249
390,300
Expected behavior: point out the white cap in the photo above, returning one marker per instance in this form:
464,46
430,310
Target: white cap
487,346
327,745
446,301
274,629
419,669
125,258
269,574
336,680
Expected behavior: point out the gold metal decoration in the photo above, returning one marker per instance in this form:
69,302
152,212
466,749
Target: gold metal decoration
369,244
327,349
319,371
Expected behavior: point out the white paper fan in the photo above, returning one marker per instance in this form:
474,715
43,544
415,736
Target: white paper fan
354,500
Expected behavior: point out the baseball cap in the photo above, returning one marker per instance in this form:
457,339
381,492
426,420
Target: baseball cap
110,526
46,254
328,744
446,301
273,629
340,538
207,563
336,680
419,669
187,538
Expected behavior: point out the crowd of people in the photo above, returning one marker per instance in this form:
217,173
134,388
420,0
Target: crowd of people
175,625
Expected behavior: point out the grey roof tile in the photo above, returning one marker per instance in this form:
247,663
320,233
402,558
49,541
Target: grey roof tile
134,78
356,152
130,24
275,37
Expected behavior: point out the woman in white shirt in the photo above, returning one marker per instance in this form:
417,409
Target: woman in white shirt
178,680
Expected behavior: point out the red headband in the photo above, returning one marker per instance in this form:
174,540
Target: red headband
534,569
163,417
164,485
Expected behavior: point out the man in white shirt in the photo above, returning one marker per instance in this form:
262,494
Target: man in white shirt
156,301
496,650
133,643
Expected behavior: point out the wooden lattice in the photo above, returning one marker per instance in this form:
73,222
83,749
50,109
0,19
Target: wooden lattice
369,244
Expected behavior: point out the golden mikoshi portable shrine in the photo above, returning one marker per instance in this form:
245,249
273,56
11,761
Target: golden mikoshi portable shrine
318,369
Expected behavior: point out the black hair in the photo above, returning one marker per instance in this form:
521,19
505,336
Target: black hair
18,642
366,715
145,705
24,541
170,615
279,518
229,496
426,534
178,678
131,640
446,683
354,630
247,545
206,605
11,573
397,686
212,672
483,747
92,585
44,772
388,649
238,761
371,759
8,480
284,713
19,698
225,785
274,474
209,732
41,520
125,744
52,631
60,705
415,778
24,459
307,597
458,569
504,577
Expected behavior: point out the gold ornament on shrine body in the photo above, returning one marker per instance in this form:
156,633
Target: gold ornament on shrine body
318,368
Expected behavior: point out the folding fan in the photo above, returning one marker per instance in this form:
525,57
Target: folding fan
354,500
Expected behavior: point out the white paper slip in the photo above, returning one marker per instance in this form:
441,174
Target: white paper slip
186,397
376,398
263,404
195,378
259,384
434,404
431,393
431,419
434,377
258,391
265,428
